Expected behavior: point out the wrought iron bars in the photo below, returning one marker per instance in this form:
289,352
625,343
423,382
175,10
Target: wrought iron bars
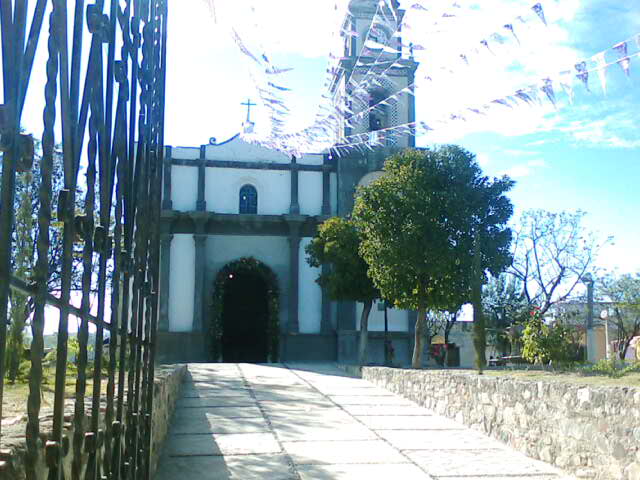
121,193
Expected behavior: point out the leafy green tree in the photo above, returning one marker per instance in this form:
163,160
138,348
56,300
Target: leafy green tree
419,222
23,267
505,307
440,321
336,245
23,260
623,292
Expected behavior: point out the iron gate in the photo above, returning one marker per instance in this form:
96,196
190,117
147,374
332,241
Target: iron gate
104,116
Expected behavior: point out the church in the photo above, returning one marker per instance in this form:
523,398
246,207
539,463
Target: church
236,218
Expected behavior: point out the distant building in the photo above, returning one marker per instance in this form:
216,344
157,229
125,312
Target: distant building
574,313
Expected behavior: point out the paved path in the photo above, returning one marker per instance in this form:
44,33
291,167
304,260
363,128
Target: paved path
244,421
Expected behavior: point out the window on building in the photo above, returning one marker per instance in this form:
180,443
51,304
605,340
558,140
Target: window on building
248,199
377,111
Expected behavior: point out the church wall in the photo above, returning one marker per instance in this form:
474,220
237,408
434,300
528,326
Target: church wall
311,159
310,294
270,250
310,193
184,188
223,187
333,189
185,153
182,283
403,106
398,319
242,151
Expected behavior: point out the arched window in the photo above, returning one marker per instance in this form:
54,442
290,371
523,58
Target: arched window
248,199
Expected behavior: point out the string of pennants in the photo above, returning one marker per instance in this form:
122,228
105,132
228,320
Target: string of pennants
374,64
359,91
335,110
547,88
330,112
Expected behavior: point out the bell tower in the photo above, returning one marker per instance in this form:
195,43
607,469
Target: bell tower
373,86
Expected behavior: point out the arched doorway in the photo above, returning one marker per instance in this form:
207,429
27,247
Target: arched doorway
245,311
244,319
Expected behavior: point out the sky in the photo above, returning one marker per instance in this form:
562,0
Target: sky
582,154
579,155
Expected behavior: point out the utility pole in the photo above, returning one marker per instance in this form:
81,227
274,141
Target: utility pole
587,279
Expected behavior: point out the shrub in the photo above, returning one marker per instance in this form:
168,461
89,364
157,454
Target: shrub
544,344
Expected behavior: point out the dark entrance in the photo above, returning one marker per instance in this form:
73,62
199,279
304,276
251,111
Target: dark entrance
244,318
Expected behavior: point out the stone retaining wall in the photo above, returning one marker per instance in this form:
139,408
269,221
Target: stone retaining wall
166,391
592,432
167,385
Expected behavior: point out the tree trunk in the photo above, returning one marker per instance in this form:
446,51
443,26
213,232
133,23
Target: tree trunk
624,346
479,333
364,332
416,361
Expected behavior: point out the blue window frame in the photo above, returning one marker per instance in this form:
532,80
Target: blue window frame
248,199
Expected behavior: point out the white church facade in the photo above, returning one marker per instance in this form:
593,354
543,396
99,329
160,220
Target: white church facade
236,219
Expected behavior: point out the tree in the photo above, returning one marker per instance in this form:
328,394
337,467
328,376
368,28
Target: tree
337,245
25,237
419,222
551,253
624,293
440,321
23,267
479,328
505,307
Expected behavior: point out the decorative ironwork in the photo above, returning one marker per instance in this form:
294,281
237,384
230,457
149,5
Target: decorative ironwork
109,107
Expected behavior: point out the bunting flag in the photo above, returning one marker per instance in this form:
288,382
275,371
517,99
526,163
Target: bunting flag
276,70
278,87
243,48
540,12
417,6
624,61
547,88
501,101
521,94
509,26
601,63
566,82
583,74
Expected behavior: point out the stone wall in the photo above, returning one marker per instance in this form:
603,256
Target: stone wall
168,381
166,390
592,432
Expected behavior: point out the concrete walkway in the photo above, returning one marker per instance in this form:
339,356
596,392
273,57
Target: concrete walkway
277,422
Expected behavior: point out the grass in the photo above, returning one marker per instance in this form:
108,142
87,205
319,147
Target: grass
577,377
14,400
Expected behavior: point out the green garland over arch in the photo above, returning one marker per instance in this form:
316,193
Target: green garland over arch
252,266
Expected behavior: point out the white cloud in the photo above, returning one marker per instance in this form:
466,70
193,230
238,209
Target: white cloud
616,129
284,26
523,170
483,159
517,171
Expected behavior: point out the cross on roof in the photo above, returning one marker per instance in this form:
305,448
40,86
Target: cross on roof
249,105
